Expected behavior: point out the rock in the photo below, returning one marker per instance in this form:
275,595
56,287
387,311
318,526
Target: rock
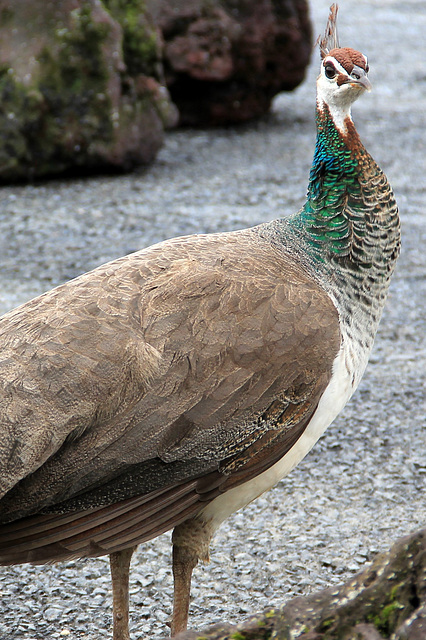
224,61
386,600
80,87
82,83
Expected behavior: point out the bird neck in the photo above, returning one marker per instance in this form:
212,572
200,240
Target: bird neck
349,225
334,175
350,218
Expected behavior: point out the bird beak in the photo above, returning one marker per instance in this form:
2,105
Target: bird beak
359,77
363,81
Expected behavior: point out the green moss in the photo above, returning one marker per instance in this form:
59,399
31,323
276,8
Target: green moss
13,147
74,80
4,70
140,38
78,61
395,590
237,636
326,624
385,620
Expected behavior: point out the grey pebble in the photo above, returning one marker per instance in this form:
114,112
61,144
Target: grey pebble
52,614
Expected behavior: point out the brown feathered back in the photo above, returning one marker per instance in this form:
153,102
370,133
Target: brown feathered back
160,378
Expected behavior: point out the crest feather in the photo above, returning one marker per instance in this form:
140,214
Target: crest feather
329,40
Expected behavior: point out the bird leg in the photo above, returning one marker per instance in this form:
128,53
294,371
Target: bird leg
120,564
184,561
191,541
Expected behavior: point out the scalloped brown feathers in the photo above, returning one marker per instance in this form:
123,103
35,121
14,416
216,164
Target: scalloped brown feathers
330,39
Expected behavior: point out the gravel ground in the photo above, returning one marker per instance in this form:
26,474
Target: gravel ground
363,485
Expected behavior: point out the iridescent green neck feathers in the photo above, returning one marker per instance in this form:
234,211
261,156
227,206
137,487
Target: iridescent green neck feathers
350,206
334,175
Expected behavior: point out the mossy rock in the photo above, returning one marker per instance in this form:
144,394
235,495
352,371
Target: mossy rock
74,95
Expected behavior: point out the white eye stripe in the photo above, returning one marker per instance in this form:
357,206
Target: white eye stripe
329,60
367,67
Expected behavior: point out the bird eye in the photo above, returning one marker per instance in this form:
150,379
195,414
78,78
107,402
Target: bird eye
330,71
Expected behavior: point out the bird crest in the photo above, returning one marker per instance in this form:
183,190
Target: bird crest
329,40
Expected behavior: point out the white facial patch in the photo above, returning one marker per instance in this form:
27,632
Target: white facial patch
338,97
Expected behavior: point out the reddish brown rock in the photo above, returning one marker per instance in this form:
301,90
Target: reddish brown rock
225,61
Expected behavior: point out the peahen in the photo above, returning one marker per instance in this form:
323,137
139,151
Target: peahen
173,386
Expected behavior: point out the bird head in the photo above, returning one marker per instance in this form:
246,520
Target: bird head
343,75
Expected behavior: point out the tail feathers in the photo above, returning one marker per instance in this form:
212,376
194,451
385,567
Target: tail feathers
51,537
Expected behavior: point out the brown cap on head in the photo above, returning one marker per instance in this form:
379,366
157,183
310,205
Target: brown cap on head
349,58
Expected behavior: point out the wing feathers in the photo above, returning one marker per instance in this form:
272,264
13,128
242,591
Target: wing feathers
57,536
52,525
